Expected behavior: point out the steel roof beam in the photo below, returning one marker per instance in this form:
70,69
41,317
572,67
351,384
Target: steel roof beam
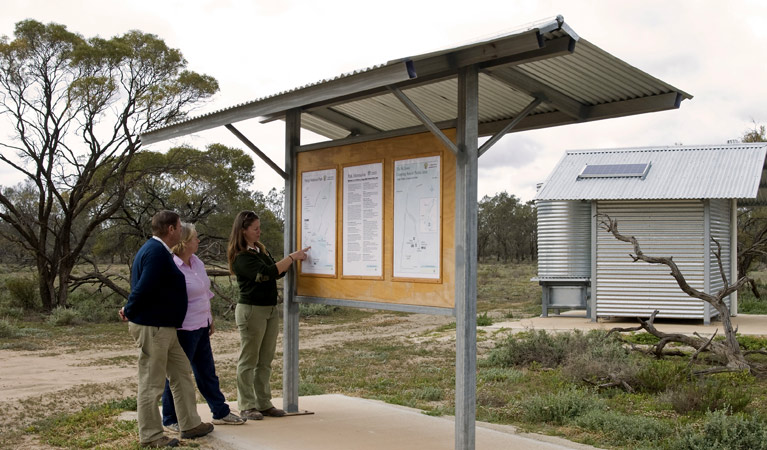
424,119
642,105
535,88
543,120
522,114
256,150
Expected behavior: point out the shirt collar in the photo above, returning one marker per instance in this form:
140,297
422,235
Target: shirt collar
163,244
255,249
180,262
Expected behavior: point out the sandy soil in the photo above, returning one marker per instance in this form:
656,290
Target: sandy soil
33,383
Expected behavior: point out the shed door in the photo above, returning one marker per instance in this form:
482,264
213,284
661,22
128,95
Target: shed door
663,228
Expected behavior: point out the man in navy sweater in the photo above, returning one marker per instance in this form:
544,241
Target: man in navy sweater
156,307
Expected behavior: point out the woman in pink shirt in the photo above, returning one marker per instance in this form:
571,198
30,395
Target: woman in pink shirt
194,335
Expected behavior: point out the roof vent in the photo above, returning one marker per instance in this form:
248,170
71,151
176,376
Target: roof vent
615,170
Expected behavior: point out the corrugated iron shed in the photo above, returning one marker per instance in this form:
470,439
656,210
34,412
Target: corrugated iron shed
676,172
575,81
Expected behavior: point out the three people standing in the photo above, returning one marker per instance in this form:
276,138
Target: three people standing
173,292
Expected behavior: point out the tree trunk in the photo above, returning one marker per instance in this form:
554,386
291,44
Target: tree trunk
735,358
45,283
730,349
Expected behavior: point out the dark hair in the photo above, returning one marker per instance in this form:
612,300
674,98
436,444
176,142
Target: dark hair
162,221
237,243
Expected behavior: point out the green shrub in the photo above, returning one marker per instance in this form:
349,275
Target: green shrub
126,404
597,358
483,320
92,307
548,349
428,393
657,375
749,342
8,329
748,304
559,407
308,388
643,338
24,292
623,429
13,312
726,391
722,431
64,316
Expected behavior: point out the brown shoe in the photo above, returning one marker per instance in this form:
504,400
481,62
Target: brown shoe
199,431
273,412
164,441
251,414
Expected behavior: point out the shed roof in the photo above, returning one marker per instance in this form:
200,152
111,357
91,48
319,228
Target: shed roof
676,172
576,81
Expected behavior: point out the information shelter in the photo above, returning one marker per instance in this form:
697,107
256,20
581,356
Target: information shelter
425,111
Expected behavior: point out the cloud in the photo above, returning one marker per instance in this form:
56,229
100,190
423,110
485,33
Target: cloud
710,48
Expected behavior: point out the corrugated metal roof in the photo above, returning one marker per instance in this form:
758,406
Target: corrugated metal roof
576,80
676,172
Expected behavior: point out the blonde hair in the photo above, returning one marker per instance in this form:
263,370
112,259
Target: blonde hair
237,243
187,233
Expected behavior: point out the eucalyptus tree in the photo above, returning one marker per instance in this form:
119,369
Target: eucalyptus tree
206,187
506,228
76,107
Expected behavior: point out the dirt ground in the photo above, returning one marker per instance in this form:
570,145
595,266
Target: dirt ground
57,379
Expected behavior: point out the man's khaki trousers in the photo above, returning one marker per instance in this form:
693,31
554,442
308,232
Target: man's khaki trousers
161,356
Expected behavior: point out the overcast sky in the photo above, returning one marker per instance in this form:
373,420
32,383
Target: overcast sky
715,50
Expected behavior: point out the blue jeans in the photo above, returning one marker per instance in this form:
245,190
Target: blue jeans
196,345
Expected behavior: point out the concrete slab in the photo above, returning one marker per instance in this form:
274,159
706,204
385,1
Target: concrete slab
747,324
340,422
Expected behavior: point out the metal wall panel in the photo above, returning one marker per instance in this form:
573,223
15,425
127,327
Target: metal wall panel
720,230
635,289
564,239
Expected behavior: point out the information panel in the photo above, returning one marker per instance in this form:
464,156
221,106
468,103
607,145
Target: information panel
318,221
417,226
363,220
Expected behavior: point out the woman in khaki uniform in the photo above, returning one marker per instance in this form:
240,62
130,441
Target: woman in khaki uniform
256,313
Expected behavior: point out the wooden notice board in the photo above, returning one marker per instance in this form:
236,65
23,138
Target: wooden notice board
436,289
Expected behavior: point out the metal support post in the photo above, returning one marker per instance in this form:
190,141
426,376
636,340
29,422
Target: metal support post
467,135
290,307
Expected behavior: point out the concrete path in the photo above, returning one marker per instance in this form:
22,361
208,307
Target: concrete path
751,324
346,423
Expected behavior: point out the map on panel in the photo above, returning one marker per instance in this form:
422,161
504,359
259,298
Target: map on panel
318,221
417,218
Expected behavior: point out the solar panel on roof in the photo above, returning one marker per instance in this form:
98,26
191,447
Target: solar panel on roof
614,170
